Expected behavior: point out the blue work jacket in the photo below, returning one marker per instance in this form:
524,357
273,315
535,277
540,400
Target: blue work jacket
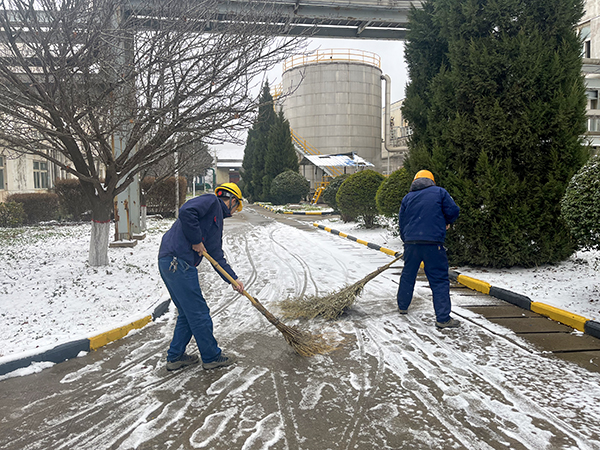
200,220
425,212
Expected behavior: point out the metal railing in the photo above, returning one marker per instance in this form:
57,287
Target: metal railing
333,55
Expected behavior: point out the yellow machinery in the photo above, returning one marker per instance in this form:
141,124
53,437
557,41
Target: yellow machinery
318,191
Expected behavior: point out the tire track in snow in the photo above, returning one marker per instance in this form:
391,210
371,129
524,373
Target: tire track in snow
369,386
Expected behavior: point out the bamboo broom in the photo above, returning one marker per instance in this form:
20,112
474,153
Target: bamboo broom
305,344
332,305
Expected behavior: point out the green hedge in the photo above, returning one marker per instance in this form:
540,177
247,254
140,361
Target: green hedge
332,189
12,214
289,187
72,201
392,191
580,206
38,207
356,196
160,197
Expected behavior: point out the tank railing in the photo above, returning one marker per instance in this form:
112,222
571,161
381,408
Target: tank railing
309,149
276,91
333,55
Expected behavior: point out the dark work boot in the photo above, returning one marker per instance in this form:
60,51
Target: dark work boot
183,361
451,323
221,361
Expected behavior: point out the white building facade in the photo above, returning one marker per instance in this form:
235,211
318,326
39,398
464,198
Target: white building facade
589,28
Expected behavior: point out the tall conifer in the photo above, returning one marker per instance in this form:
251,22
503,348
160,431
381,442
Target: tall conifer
497,105
280,155
256,146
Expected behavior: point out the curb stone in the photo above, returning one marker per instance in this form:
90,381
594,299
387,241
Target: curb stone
70,350
580,323
304,213
387,251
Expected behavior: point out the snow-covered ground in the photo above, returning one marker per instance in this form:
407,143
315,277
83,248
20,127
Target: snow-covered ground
395,382
50,295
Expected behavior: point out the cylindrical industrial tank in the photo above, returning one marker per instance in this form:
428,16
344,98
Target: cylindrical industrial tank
332,99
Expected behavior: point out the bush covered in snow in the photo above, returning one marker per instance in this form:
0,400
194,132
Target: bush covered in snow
580,207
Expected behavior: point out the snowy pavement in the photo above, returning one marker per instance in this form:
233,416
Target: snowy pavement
396,382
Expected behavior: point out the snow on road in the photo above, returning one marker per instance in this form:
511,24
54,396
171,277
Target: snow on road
396,382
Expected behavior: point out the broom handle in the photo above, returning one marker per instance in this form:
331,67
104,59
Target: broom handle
230,278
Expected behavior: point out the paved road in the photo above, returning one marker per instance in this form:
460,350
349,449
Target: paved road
395,382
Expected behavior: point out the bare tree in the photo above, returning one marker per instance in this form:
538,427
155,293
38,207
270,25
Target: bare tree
106,88
193,159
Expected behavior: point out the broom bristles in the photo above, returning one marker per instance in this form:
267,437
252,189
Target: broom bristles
332,305
303,343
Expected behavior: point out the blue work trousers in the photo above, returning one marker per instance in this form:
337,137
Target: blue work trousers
194,318
435,263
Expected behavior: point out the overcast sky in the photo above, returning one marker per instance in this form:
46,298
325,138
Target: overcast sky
392,64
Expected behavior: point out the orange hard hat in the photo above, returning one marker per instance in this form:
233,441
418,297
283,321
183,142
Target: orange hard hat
424,174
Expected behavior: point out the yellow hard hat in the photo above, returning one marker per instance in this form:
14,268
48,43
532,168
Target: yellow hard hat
424,174
232,189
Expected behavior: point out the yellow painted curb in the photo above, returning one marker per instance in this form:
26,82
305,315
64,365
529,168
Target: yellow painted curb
475,284
360,241
387,251
564,317
102,339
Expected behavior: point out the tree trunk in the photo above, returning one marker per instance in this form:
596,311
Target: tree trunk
100,234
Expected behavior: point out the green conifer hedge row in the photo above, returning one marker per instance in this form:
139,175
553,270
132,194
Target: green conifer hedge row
497,106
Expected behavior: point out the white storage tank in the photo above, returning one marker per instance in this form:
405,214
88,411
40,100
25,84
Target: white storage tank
332,99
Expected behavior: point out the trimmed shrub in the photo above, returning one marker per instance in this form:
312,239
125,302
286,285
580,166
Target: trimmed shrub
289,187
332,189
71,198
12,214
392,191
160,196
356,196
38,207
580,206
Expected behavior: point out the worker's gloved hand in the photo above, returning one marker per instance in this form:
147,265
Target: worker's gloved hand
240,286
199,248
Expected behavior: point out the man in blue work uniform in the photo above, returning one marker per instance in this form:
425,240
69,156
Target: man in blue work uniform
199,228
425,214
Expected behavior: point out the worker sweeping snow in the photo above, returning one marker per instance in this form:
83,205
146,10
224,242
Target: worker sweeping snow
198,229
425,214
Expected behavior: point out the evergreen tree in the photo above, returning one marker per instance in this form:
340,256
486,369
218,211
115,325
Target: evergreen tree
280,155
497,115
256,146
247,185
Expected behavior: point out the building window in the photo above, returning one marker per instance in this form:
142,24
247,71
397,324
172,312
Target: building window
584,35
40,175
587,49
2,177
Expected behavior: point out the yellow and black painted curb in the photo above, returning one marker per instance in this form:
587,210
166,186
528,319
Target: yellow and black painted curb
575,321
70,350
387,251
302,213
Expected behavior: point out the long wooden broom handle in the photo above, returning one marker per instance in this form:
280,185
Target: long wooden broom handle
226,275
